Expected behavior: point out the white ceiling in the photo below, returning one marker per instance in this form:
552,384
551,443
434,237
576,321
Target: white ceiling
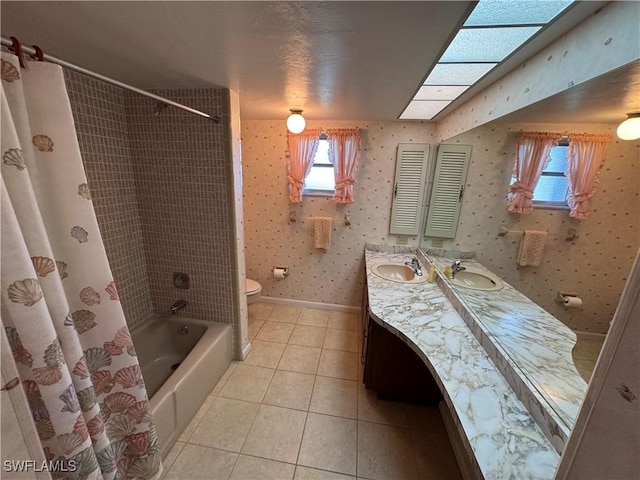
604,99
337,60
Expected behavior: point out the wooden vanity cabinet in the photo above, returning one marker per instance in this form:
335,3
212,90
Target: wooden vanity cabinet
391,368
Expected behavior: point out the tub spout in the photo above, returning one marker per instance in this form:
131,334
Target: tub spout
177,306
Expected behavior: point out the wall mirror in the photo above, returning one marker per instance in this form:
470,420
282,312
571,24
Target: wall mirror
604,243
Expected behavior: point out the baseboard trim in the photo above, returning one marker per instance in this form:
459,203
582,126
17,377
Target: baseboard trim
305,304
246,350
598,336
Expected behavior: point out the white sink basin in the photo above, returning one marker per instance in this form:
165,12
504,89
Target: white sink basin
476,280
397,272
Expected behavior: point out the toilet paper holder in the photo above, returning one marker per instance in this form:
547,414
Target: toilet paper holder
560,296
569,300
284,270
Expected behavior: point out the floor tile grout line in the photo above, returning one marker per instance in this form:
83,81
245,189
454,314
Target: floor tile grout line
199,420
359,395
251,427
234,464
266,404
166,472
213,398
240,452
306,419
265,458
307,325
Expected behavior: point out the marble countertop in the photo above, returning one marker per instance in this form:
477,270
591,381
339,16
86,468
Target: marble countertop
505,439
533,348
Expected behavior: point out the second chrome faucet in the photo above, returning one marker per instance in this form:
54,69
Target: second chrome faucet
456,267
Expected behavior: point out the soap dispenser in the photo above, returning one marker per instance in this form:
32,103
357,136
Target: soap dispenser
432,273
448,272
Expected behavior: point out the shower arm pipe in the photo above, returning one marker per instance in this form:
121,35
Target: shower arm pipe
6,42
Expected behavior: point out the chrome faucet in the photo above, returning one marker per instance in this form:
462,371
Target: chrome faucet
415,266
456,267
177,306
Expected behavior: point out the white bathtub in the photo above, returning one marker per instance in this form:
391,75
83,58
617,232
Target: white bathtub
180,369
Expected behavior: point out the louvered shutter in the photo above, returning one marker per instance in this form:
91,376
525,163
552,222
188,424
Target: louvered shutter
408,191
452,164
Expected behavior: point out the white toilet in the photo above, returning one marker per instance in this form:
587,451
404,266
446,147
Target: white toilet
253,291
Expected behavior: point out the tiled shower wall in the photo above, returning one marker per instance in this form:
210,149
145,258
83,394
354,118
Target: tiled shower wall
184,200
160,188
101,125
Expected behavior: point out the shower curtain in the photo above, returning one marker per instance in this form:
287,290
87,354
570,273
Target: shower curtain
60,308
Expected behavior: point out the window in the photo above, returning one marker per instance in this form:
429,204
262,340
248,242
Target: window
321,178
553,188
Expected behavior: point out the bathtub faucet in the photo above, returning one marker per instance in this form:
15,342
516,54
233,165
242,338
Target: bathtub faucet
177,306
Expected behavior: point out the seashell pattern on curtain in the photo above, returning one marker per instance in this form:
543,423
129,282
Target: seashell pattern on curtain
62,316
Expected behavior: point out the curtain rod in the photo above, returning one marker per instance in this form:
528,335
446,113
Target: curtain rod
50,58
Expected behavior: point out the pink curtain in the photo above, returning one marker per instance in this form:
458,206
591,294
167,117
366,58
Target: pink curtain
586,157
344,150
302,148
532,155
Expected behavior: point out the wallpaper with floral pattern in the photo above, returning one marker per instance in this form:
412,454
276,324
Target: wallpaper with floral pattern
334,276
595,265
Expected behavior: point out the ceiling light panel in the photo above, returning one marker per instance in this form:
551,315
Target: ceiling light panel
515,12
486,44
493,31
458,73
423,109
439,92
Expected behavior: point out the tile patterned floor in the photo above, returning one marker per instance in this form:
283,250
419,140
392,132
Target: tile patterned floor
295,409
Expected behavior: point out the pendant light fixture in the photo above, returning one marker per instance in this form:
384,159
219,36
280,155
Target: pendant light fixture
630,128
295,122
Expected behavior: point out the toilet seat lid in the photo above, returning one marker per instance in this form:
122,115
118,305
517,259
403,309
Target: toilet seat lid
253,286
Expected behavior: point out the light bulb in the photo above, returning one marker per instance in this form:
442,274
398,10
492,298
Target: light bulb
630,128
296,122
